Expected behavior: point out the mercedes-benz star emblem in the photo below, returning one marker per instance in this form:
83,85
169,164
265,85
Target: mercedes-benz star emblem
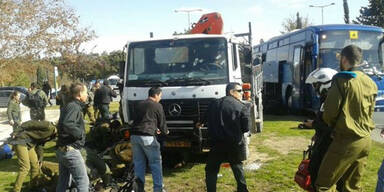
174,109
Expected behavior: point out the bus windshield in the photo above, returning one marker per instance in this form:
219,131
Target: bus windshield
332,42
178,62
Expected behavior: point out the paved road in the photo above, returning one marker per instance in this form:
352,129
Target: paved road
6,129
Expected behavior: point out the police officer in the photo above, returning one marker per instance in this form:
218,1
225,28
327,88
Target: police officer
348,109
13,110
228,120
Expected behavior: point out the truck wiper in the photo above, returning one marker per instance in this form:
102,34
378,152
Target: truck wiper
155,82
189,81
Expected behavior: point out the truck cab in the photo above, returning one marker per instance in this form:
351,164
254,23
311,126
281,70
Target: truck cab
192,70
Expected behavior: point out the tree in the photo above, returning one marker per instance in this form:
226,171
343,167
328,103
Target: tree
34,29
346,11
295,22
373,14
40,76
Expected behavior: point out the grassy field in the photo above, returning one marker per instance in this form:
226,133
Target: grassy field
279,148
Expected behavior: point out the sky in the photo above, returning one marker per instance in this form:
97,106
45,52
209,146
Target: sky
118,21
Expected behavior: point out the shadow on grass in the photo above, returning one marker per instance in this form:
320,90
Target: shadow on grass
9,165
195,159
284,118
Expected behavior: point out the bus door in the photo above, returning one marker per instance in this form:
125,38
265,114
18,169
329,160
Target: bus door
298,77
307,68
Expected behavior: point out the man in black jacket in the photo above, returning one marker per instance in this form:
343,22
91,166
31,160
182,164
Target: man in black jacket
71,138
103,96
228,120
148,121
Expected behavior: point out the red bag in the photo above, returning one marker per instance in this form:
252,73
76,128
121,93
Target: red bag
302,176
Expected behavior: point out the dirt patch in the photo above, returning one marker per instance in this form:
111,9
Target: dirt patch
284,145
255,156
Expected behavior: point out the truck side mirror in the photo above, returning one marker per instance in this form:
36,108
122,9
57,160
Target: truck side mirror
256,61
247,55
121,69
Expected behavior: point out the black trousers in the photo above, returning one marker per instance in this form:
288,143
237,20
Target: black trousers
104,111
218,155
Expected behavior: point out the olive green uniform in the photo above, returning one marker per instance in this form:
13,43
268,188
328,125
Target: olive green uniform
38,114
13,112
31,133
87,107
96,167
27,160
348,108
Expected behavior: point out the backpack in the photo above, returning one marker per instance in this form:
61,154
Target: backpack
36,101
5,152
302,175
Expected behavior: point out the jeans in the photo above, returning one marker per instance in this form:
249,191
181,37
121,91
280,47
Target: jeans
71,164
380,180
143,148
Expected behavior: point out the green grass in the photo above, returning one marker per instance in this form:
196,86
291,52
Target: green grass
276,174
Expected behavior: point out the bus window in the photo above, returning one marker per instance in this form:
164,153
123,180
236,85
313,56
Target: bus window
331,43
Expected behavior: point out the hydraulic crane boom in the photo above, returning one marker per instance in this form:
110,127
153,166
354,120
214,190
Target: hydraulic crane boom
210,23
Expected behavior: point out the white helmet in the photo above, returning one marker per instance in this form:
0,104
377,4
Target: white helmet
321,78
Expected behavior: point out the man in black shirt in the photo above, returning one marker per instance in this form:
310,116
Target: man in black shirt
148,121
103,97
71,139
228,120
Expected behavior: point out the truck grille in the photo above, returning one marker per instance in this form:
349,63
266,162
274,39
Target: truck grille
185,109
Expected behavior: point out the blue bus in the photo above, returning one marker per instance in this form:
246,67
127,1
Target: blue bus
289,58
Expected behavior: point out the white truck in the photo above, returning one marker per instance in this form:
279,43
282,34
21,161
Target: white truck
192,71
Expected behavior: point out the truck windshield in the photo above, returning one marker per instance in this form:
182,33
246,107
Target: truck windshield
178,62
332,42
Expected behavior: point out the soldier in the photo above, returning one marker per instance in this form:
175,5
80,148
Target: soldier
348,108
96,112
47,90
24,140
13,110
87,107
36,100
